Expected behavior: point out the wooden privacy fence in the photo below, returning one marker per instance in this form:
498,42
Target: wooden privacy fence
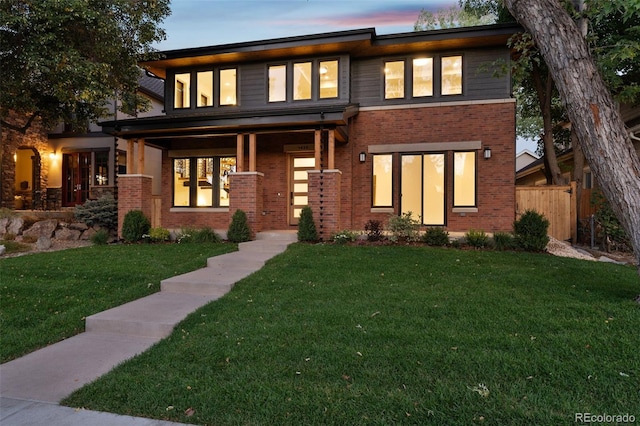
557,203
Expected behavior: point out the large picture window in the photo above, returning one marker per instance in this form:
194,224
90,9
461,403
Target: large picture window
382,180
202,181
464,179
423,187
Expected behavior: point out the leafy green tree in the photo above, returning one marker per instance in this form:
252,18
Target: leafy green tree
60,60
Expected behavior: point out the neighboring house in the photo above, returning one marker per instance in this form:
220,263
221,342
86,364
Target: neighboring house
356,125
524,158
68,166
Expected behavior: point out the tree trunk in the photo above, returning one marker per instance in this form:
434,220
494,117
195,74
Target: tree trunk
544,90
590,106
578,168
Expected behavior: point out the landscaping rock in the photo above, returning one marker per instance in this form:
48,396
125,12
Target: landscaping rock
78,226
3,225
86,235
609,260
15,225
44,243
44,228
67,234
2,250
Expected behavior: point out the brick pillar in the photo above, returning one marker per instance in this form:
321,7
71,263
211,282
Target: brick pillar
134,193
245,193
324,200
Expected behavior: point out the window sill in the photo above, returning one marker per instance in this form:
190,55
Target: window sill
382,210
465,210
199,209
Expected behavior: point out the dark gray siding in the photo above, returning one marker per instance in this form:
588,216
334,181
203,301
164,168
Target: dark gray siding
367,78
252,86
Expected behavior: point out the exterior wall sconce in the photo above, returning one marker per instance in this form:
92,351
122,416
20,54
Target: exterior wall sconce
52,155
363,157
487,153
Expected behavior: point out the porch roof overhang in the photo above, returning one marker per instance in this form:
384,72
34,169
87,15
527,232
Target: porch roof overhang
236,121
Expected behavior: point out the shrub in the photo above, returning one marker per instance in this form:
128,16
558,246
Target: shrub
100,238
611,229
103,212
6,213
206,235
158,235
436,236
134,226
344,237
530,231
504,241
477,239
374,230
306,226
239,230
404,227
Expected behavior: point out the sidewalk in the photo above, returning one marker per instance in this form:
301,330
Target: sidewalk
32,386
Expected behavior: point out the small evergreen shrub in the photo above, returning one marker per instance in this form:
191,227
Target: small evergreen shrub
373,229
159,235
530,231
103,212
206,235
134,226
239,230
306,226
477,239
504,241
436,236
100,238
344,237
404,227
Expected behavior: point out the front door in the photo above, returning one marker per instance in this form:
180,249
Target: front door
76,169
300,164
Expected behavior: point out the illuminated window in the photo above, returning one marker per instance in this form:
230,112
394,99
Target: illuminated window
394,80
302,81
182,90
422,77
278,83
101,165
205,89
202,182
423,187
228,85
328,73
464,179
382,180
452,75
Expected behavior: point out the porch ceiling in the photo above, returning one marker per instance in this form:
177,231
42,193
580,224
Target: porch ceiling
234,122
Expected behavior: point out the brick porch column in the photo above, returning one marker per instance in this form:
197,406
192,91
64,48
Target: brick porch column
245,193
134,193
324,200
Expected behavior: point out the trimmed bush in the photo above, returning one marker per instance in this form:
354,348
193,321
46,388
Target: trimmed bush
134,226
435,236
206,235
404,227
504,241
374,230
103,212
306,226
100,238
344,237
159,235
530,231
239,230
477,239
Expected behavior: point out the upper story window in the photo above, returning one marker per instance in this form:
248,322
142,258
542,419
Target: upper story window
328,73
302,81
277,83
394,80
204,96
422,77
452,75
182,91
228,87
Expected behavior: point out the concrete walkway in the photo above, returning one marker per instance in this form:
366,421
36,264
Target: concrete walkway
32,386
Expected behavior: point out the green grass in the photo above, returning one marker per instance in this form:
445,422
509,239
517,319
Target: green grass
395,335
45,297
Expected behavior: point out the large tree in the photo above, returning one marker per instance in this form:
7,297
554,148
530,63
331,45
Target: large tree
60,60
590,106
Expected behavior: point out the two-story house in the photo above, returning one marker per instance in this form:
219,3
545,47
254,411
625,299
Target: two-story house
356,125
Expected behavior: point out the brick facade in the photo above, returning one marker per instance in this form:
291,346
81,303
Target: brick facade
135,194
247,190
324,200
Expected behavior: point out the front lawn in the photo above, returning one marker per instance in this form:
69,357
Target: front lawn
46,297
395,335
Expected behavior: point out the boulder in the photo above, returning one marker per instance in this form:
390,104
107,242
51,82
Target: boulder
86,235
3,225
44,243
15,225
67,234
44,228
2,250
78,226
